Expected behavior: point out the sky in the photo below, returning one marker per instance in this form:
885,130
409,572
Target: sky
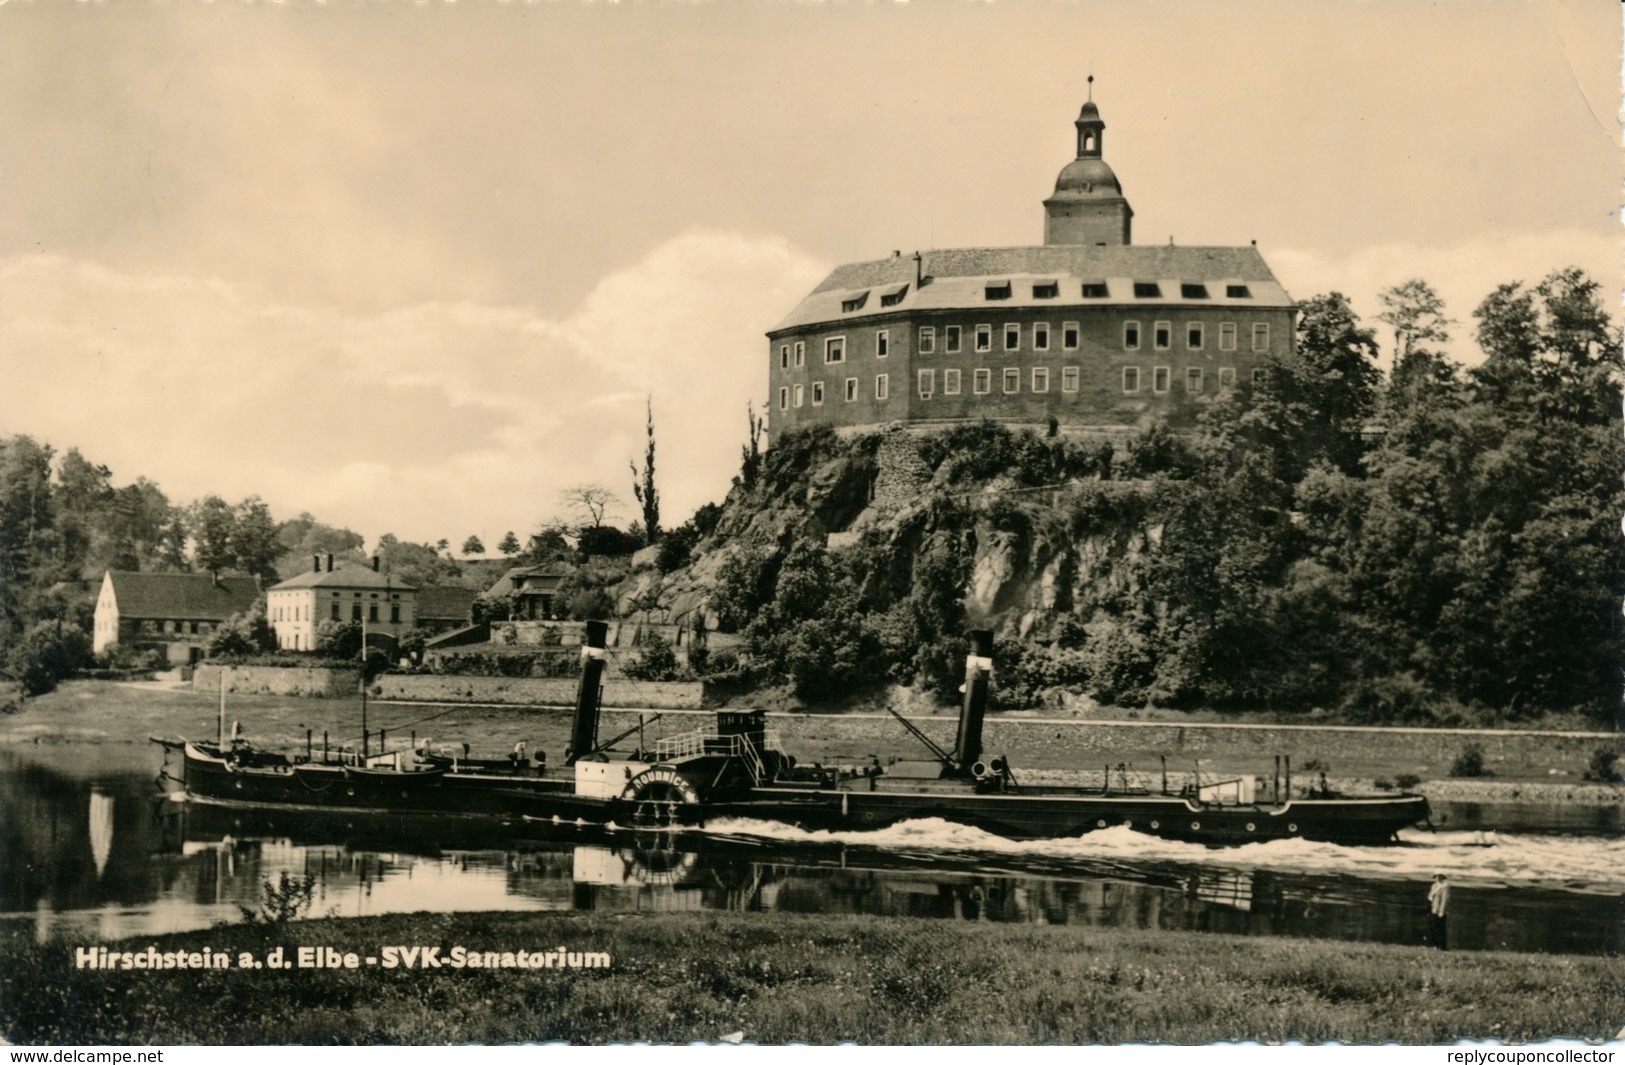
417,266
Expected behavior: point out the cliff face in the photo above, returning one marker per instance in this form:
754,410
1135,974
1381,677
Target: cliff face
922,534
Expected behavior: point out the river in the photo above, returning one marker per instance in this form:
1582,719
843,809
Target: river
93,850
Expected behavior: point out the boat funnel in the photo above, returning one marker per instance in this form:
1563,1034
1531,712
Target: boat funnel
584,732
978,672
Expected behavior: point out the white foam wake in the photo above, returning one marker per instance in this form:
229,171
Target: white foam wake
1571,863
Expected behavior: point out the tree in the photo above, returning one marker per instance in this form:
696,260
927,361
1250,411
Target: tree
1416,314
47,653
591,501
472,546
339,639
254,542
750,464
416,564
245,633
509,545
84,495
211,524
27,521
547,544
643,484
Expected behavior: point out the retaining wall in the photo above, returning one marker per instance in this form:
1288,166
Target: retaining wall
535,691
319,682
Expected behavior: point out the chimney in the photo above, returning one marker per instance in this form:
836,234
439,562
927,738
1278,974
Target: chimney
584,731
375,563
919,270
318,560
330,562
978,669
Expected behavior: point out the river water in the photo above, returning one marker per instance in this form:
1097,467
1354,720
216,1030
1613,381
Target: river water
94,851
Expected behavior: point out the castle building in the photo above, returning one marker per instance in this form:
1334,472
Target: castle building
1086,331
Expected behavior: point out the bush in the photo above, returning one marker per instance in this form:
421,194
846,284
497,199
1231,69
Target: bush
245,633
1604,767
47,653
339,639
1407,781
655,660
677,548
1469,763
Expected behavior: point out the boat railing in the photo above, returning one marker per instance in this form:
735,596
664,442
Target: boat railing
695,744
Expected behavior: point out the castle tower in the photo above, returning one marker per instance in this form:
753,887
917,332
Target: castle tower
1088,206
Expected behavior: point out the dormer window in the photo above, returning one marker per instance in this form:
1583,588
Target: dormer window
855,303
1193,290
1046,290
997,290
894,297
1238,292
1095,290
1147,290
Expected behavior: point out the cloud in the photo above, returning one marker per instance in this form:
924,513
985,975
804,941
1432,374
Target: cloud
1462,274
429,421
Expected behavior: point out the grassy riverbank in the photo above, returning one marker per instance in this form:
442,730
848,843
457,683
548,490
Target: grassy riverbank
818,979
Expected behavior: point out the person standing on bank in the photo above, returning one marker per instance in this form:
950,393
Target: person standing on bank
1438,909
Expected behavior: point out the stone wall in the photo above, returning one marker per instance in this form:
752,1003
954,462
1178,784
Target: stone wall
532,691
319,682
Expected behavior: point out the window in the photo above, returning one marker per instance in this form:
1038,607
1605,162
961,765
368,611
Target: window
1041,336
855,303
998,290
1260,377
950,337
928,383
1040,379
1193,336
1238,292
882,385
1069,336
335,611
355,611
928,339
1147,290
784,356
1261,336
882,343
1193,379
834,350
1046,290
984,338
1131,336
851,389
818,394
784,398
1012,380
950,382
1159,379
372,611
797,395
1192,290
894,297
801,353
194,628
1227,336
1095,290
1227,377
1163,337
395,613
982,383
1131,379
1012,336
1069,379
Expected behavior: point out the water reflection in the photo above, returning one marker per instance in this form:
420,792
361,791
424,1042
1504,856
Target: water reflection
104,860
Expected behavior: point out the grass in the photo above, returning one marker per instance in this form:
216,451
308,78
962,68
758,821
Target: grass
817,979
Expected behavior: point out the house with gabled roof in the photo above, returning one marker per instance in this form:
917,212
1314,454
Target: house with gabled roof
172,612
384,604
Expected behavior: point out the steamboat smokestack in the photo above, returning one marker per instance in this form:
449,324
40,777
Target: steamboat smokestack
978,670
584,731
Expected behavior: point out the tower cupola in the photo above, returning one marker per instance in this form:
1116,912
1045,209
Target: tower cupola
1088,206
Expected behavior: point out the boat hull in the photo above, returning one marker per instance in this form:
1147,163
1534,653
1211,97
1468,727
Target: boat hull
1016,816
